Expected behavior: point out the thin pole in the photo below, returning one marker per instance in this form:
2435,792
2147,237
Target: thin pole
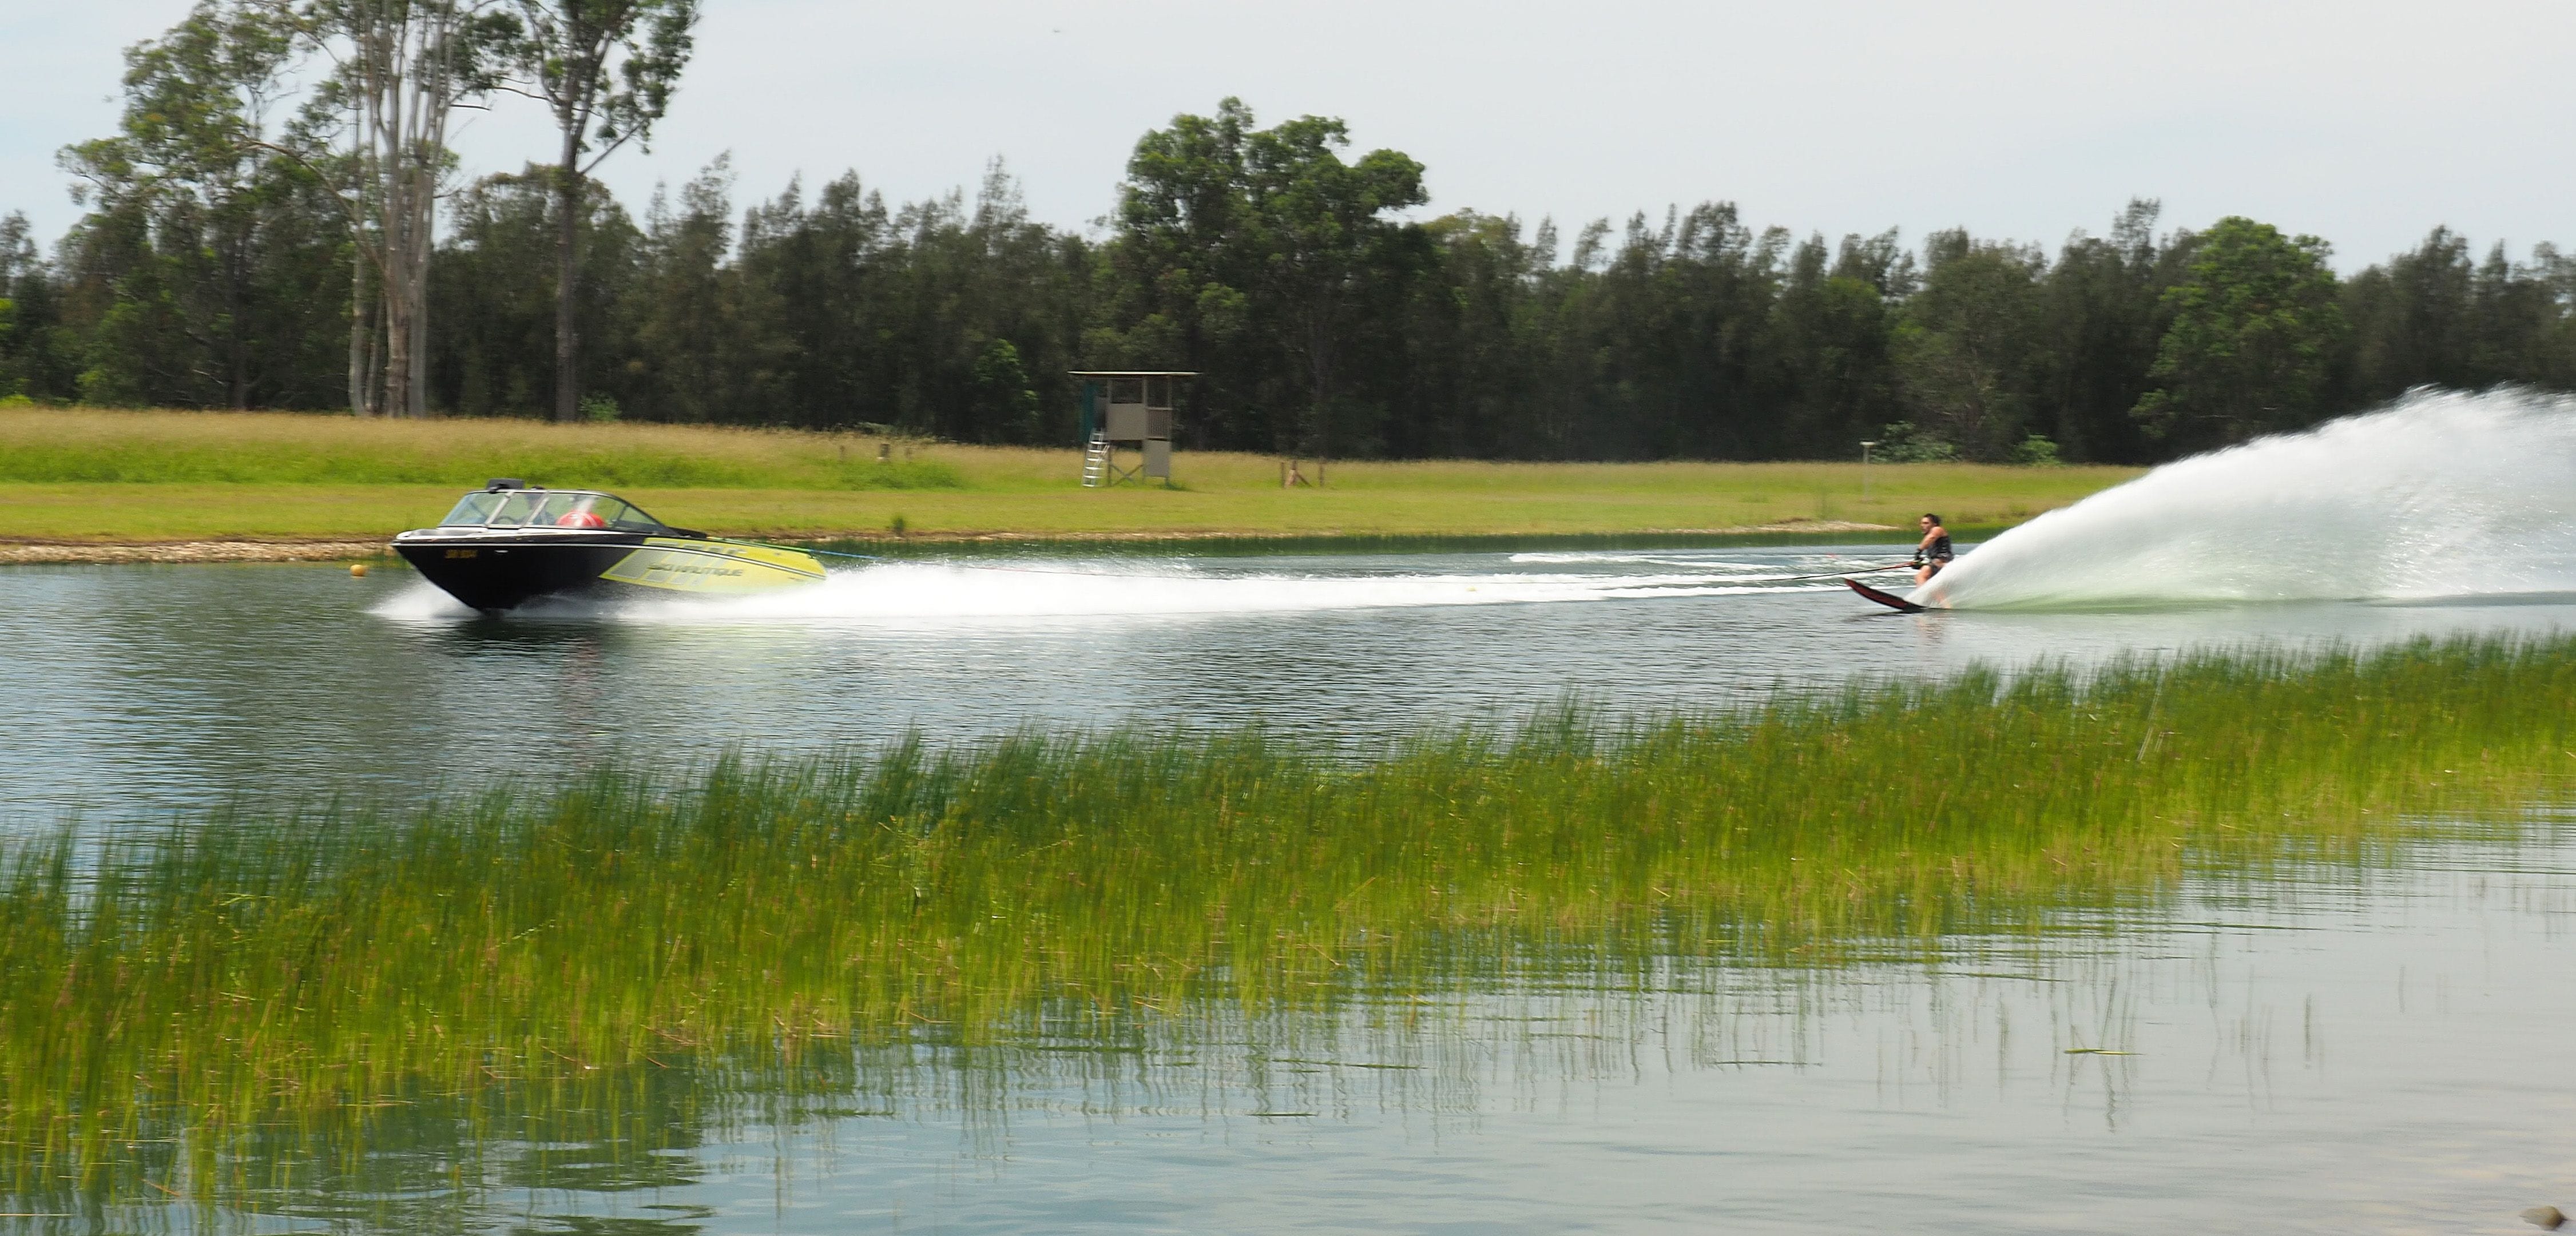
1864,470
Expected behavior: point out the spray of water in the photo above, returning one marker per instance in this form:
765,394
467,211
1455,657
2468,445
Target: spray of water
2440,495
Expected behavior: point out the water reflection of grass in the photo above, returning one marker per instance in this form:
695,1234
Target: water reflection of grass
200,984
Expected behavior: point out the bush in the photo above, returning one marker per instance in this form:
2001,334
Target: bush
1903,443
2036,451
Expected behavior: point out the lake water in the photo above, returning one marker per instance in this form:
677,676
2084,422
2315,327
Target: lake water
2375,1046
139,690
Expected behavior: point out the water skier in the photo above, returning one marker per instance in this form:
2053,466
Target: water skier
1933,552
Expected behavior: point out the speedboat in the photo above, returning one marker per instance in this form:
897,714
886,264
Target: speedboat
510,543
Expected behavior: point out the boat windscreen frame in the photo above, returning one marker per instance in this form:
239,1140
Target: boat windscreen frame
551,508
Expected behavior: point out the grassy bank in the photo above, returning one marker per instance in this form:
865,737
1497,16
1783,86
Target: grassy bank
104,476
207,978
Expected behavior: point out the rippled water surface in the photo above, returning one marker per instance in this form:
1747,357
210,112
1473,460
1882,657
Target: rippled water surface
140,689
2321,1052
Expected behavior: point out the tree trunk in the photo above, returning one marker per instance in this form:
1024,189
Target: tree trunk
567,278
405,239
375,387
416,398
398,340
1319,362
361,328
237,337
402,71
397,288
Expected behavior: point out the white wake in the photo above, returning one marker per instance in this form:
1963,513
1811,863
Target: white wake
920,593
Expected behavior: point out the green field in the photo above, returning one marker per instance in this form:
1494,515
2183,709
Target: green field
201,983
106,476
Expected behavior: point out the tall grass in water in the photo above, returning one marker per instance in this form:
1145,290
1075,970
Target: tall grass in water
200,982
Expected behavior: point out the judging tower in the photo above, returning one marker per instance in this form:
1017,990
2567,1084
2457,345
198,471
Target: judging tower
1127,411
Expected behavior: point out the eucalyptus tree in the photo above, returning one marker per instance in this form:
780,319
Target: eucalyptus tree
1318,229
2099,323
2436,316
22,271
1476,341
2411,318
492,291
1830,380
1964,342
1227,228
2256,329
606,69
173,191
197,265
400,70
1179,268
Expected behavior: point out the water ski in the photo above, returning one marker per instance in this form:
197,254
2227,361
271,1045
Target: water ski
1890,600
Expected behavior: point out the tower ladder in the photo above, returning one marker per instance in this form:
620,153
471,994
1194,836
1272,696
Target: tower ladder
1095,460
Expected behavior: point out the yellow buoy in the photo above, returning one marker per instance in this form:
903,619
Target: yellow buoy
358,569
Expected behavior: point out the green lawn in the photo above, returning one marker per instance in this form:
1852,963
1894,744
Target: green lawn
104,476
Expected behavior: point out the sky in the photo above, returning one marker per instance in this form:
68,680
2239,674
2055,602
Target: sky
2361,121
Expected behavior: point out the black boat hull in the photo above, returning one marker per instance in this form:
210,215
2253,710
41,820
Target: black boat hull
500,577
502,572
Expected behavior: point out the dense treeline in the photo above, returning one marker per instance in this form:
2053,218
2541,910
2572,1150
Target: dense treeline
219,266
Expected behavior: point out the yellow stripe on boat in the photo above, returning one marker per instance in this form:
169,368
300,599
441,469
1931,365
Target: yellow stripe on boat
713,567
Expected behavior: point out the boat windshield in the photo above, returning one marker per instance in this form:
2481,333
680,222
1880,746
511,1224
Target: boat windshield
548,508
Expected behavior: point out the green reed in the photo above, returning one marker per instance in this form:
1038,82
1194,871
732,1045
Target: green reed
191,986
